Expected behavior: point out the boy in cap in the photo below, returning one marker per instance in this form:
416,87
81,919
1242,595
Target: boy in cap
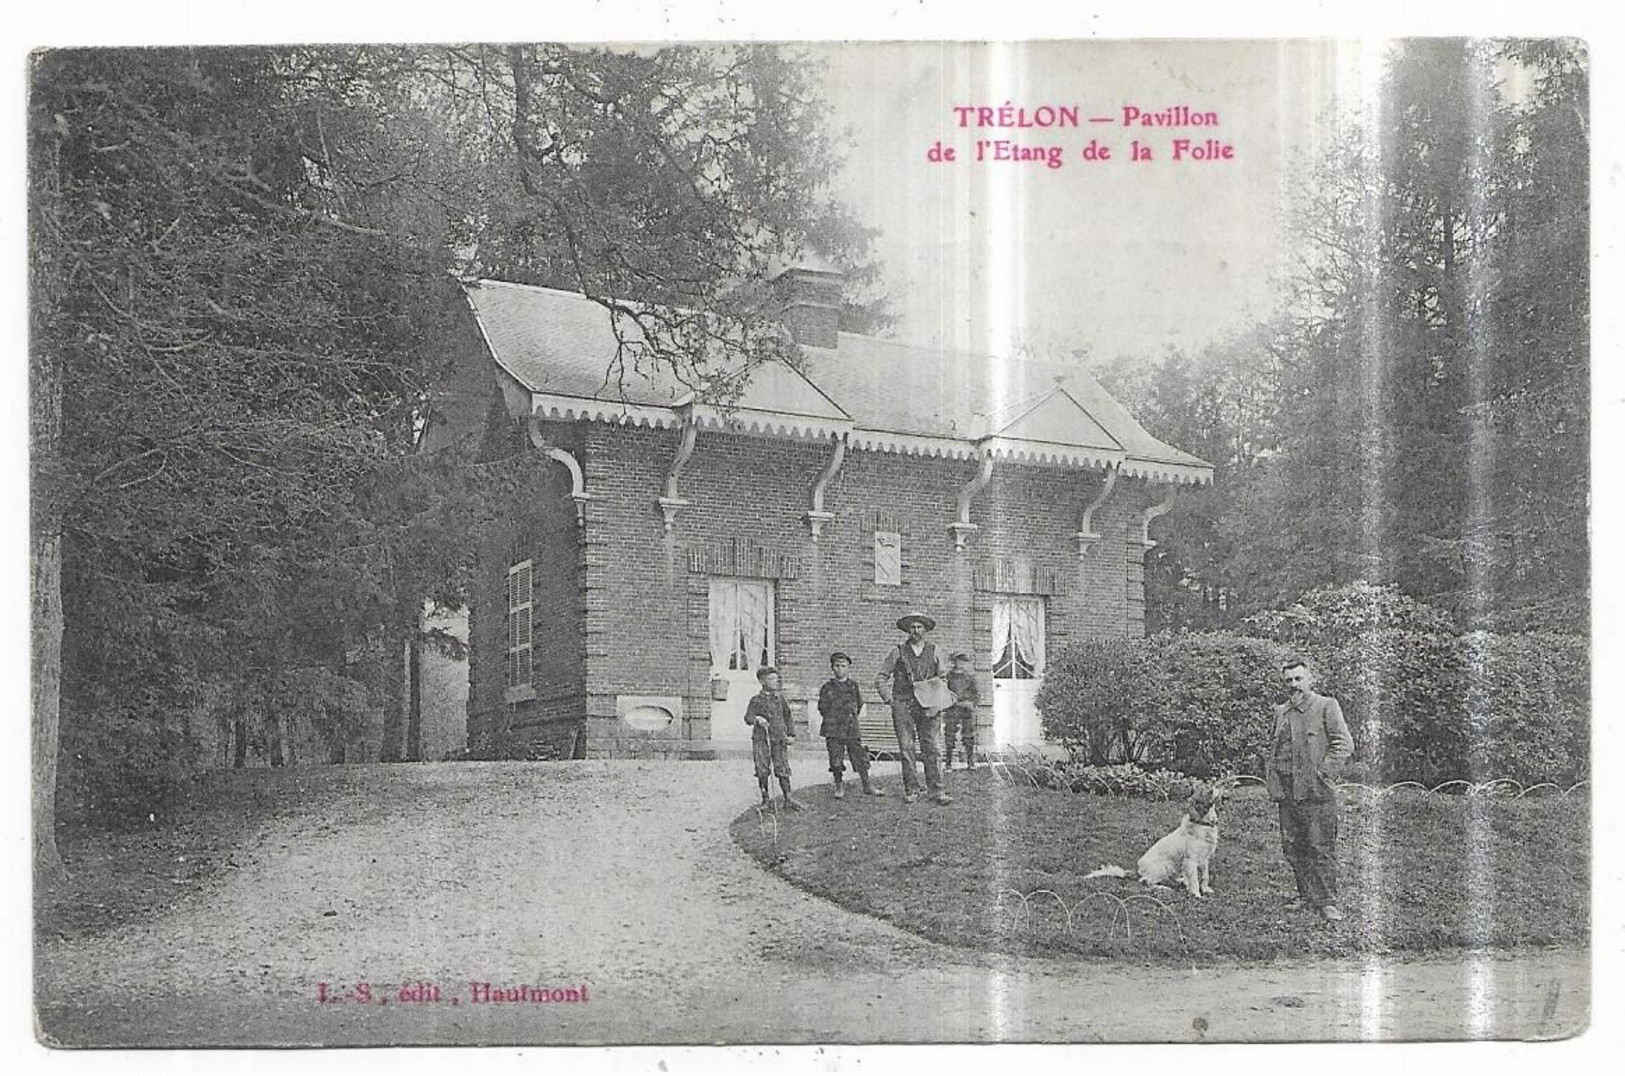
772,729
961,716
919,732
838,703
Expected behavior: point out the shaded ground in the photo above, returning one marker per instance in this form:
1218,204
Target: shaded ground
125,876
1003,868
621,877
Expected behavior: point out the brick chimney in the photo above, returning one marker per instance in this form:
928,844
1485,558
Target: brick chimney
810,293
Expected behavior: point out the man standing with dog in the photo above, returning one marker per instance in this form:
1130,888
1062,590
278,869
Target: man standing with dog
1311,743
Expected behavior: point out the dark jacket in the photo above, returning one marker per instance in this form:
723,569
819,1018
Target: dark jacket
963,685
838,703
776,708
900,670
1320,745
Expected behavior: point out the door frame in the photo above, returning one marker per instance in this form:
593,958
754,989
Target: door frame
1016,720
727,715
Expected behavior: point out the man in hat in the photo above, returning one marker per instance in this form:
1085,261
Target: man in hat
919,730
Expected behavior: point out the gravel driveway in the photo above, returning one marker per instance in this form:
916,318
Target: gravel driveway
620,877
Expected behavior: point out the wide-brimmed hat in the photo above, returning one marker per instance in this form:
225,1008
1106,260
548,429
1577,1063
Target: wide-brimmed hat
904,622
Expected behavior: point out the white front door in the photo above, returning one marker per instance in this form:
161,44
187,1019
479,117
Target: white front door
742,641
1018,670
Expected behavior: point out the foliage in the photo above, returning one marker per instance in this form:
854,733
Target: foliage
1123,779
666,184
127,768
1326,616
1527,704
1119,779
1220,687
1401,693
1416,413
1423,701
126,742
1392,664
1428,703
1099,698
1200,698
242,265
242,347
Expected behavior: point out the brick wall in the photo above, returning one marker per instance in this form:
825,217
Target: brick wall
647,614
646,611
541,526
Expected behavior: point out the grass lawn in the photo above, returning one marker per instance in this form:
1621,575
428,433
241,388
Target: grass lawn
1002,868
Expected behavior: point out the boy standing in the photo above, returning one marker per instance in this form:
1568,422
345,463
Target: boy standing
838,703
962,714
772,729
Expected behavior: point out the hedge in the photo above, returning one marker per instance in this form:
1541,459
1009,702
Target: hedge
1199,701
1424,703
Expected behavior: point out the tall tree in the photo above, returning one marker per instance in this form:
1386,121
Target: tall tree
1420,416
45,515
242,273
241,333
1535,390
667,185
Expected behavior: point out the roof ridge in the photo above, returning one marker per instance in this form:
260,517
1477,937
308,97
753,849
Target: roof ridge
561,292
551,346
888,340
930,348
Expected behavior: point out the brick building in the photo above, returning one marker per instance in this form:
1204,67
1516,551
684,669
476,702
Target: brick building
661,551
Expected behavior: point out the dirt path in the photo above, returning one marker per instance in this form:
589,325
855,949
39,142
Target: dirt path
621,876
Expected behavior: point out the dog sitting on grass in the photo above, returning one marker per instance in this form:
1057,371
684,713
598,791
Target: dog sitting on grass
1182,856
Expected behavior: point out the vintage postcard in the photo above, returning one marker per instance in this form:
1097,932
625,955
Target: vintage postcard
732,542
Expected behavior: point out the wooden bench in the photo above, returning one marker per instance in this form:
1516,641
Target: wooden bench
879,735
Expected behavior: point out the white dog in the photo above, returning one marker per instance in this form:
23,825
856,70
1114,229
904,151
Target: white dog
1184,854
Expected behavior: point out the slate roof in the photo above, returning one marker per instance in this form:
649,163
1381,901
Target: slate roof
560,344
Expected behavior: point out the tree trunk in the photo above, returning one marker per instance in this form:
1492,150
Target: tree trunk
47,700
45,538
273,730
394,648
414,700
289,735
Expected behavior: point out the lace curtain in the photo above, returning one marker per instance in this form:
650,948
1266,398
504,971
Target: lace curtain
1018,638
741,624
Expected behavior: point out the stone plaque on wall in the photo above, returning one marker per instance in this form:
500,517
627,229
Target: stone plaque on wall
888,558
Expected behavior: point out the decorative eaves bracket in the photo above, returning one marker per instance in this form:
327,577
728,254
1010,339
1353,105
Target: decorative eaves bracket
816,516
673,502
963,528
1160,508
578,485
1087,536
